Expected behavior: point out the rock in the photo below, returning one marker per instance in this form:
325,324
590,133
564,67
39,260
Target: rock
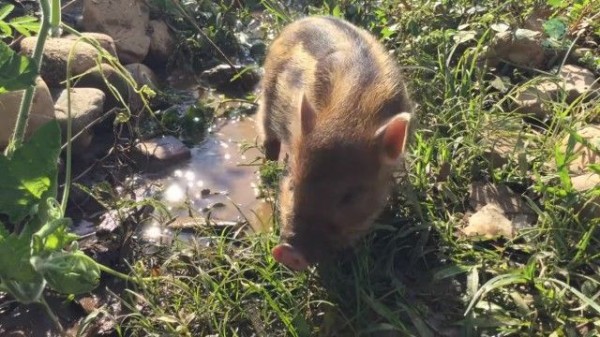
500,150
87,104
498,212
578,53
56,54
578,81
489,222
41,112
163,150
536,101
221,75
89,303
125,21
573,80
103,40
585,155
510,203
522,47
585,182
162,42
95,78
535,20
590,208
142,75
502,141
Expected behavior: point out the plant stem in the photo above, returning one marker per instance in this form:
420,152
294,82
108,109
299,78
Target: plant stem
67,188
125,277
55,18
21,124
51,314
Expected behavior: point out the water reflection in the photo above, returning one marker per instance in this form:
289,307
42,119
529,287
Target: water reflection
220,180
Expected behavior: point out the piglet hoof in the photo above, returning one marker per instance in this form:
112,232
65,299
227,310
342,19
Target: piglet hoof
289,257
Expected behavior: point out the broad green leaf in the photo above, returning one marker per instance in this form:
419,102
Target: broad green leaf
14,259
555,28
53,236
24,292
17,72
30,173
69,272
5,10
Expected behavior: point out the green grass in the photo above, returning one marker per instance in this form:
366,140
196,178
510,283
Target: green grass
415,275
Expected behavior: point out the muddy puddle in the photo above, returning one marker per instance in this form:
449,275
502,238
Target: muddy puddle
219,183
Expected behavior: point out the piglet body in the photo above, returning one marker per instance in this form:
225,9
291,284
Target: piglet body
333,96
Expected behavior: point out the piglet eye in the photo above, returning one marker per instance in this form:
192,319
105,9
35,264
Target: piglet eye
347,198
351,195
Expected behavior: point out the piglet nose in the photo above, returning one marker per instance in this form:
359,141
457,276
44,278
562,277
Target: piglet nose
287,255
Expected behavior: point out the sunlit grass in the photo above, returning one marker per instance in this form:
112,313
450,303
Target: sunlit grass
415,275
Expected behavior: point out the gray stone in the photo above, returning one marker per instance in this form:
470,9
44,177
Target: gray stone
585,155
97,77
41,112
522,47
126,21
142,75
482,194
590,208
498,212
220,76
105,41
536,19
55,56
161,42
488,223
87,105
573,81
165,149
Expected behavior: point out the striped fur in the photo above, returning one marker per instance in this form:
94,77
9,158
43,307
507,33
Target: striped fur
339,177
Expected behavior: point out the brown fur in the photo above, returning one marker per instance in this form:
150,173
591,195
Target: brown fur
338,180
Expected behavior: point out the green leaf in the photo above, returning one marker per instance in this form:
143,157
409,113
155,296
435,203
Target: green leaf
53,236
495,283
557,3
5,10
555,28
25,25
25,292
23,19
69,272
450,271
14,260
3,231
17,72
337,11
5,30
30,175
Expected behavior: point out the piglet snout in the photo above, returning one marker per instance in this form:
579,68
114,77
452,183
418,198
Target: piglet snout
287,255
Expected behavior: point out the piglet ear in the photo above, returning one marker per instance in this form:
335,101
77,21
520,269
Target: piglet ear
393,137
307,116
